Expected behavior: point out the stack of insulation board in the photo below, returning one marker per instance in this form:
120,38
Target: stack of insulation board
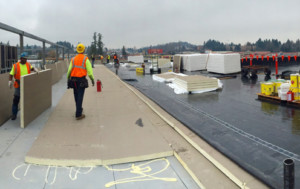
193,62
136,59
224,63
196,82
166,77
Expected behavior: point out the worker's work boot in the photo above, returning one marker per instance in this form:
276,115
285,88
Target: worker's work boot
13,117
80,117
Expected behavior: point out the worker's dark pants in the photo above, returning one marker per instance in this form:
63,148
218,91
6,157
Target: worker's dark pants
15,105
78,95
93,61
107,61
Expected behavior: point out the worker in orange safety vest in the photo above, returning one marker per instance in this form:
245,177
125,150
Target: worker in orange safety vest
19,69
115,57
80,66
101,59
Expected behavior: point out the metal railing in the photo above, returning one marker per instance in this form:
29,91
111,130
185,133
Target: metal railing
23,34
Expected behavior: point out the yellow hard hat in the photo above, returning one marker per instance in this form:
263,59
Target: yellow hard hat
80,48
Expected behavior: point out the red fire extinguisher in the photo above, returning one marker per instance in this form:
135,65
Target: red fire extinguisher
99,85
290,96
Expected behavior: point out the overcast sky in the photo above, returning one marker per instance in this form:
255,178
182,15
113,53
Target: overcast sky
139,23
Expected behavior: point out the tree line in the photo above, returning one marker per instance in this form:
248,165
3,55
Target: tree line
273,45
96,47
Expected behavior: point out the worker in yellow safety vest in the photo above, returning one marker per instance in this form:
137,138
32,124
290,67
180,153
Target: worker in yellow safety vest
19,69
80,66
108,58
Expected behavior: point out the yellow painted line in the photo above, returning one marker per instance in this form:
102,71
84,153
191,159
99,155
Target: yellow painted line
223,169
144,172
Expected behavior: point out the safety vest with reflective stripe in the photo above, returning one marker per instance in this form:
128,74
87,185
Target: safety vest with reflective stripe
78,66
17,75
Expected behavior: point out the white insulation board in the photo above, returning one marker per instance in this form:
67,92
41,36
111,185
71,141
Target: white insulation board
224,63
193,62
136,59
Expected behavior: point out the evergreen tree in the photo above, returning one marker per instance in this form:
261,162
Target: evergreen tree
287,46
214,45
93,48
124,52
100,44
237,48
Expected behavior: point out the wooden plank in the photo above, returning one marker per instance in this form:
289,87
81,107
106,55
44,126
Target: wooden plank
267,96
275,99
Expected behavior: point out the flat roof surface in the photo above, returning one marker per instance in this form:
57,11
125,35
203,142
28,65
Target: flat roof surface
256,135
115,130
15,143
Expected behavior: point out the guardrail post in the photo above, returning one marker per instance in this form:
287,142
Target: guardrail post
56,54
21,43
44,55
63,53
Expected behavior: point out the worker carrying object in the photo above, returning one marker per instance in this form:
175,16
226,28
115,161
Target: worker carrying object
80,66
19,69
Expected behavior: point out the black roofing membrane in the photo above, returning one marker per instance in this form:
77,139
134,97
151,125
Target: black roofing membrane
256,135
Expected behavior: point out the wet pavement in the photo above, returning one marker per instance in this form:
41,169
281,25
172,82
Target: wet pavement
256,135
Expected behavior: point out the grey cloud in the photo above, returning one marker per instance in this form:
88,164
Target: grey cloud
149,22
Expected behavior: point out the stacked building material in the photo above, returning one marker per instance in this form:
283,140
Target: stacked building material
136,59
193,62
177,64
166,77
224,63
196,83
